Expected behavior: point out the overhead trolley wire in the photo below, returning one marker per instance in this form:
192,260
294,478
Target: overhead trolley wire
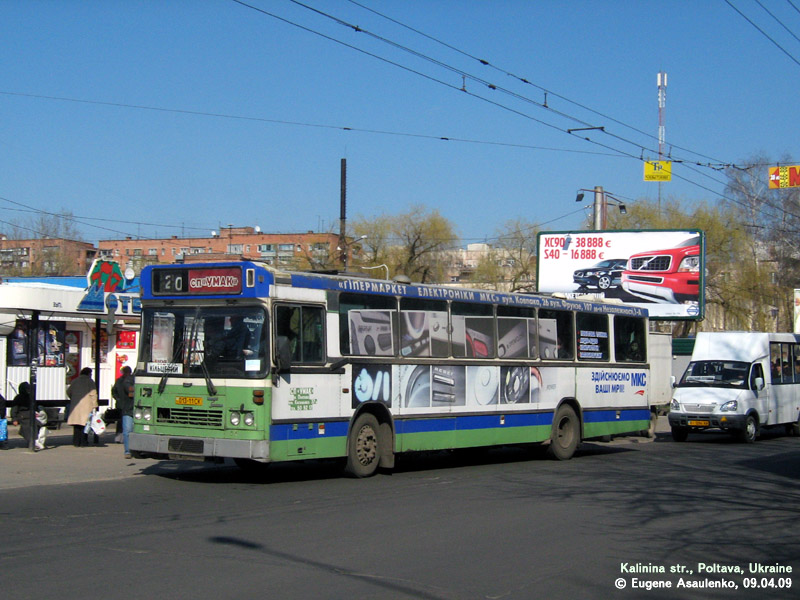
526,81
641,147
764,33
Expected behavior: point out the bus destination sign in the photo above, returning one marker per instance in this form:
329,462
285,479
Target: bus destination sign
188,281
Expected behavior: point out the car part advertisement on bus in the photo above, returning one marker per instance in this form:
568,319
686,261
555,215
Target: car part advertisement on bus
660,270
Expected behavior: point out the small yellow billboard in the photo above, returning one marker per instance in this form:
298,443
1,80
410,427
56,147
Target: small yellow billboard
658,170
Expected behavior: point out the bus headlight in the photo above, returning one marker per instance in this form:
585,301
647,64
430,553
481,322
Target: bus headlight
675,405
249,419
731,406
142,413
235,417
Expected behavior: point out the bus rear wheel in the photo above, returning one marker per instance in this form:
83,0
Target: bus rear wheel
793,429
566,434
363,447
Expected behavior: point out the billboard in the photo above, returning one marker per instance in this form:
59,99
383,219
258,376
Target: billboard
660,270
657,170
784,177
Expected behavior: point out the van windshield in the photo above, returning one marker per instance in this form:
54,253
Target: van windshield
716,373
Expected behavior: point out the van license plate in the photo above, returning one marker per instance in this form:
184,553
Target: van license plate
189,400
698,423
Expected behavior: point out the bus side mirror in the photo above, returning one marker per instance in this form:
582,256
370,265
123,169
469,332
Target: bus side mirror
283,357
759,383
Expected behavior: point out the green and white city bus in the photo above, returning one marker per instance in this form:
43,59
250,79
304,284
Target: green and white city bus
242,361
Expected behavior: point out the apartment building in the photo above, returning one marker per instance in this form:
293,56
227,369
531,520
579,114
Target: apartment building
45,256
288,250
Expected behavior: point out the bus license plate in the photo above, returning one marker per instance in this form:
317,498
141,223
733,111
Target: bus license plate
189,400
698,423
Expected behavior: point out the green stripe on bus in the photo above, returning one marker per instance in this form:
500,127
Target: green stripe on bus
591,430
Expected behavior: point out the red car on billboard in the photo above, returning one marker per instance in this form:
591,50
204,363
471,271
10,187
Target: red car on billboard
666,276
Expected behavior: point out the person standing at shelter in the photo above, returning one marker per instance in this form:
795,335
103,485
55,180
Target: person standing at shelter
123,396
82,394
29,424
4,442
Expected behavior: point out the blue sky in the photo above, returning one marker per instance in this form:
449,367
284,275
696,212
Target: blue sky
178,117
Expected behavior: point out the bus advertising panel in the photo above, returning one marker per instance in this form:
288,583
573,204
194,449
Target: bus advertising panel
661,270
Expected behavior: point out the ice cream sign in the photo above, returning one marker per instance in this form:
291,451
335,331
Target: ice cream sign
105,291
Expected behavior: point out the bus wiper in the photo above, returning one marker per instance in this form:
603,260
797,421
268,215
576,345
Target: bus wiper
212,390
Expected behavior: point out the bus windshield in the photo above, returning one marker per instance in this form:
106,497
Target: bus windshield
716,373
205,341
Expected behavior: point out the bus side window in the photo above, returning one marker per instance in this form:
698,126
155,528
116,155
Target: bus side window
629,339
367,325
556,334
473,330
593,335
423,328
302,328
516,332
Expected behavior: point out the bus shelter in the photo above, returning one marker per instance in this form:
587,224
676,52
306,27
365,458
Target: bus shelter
50,329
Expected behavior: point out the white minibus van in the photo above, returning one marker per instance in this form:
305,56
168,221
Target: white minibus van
739,382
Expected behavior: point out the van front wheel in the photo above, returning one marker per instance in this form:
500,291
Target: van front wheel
680,434
750,432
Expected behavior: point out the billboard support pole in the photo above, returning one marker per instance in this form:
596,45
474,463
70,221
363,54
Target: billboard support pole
599,209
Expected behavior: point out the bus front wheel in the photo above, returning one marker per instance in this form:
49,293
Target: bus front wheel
363,447
566,434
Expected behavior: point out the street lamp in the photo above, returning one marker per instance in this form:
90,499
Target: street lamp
378,267
344,248
601,200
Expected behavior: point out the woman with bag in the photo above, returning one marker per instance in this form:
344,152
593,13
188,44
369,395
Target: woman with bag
82,394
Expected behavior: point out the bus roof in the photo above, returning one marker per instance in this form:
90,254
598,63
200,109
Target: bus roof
265,276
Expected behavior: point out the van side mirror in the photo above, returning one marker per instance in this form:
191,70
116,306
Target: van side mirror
672,381
283,355
759,383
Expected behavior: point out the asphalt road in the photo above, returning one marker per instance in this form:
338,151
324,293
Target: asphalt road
505,524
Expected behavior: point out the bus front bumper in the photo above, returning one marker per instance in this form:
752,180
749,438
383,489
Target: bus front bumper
147,445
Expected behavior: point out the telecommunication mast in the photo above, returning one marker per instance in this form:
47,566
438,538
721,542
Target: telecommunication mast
662,102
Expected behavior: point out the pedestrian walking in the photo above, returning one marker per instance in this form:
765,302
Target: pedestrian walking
123,396
82,394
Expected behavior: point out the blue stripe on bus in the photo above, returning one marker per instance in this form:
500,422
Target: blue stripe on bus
287,432
455,422
471,422
605,416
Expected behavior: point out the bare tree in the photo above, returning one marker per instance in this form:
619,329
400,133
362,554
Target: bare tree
414,243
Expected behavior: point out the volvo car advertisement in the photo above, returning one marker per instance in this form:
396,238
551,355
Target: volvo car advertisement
660,270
